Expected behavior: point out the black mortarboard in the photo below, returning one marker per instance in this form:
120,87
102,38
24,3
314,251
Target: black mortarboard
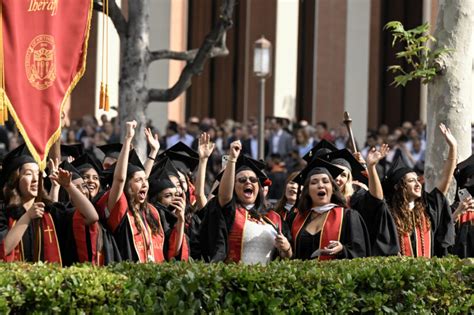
111,150
87,161
395,173
464,170
74,150
323,147
317,166
134,163
65,165
13,161
159,176
182,148
183,157
345,158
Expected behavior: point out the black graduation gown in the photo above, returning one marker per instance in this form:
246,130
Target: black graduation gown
464,241
379,221
442,225
354,237
110,249
168,221
215,229
59,214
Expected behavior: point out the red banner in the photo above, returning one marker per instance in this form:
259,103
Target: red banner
44,46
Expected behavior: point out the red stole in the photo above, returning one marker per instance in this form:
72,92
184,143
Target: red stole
331,230
146,244
79,232
236,233
50,244
466,217
422,241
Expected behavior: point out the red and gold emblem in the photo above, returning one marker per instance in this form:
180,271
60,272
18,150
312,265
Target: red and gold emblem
40,62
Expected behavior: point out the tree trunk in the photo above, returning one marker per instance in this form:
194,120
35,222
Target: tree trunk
449,94
133,98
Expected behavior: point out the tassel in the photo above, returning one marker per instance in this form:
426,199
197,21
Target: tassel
2,108
106,105
101,96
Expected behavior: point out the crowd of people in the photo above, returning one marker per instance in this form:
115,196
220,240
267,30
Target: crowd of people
202,193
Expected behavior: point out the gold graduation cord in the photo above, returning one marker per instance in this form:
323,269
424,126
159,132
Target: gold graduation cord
104,86
3,106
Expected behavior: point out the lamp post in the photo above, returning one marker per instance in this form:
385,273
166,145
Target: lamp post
262,65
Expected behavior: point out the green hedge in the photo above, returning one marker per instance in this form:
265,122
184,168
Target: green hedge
374,285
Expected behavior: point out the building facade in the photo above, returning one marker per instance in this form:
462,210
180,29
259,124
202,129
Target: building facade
329,56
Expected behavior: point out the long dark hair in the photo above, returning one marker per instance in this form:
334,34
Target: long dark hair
399,207
280,205
306,202
12,194
151,220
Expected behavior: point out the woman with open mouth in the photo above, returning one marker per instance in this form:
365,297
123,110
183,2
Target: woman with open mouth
423,220
238,226
322,227
135,223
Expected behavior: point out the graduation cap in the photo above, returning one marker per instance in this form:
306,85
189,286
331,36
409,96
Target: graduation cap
395,173
345,158
65,165
87,161
159,177
111,150
184,158
464,170
74,150
323,147
317,166
13,161
134,163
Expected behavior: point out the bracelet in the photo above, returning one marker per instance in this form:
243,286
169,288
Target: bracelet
151,158
232,160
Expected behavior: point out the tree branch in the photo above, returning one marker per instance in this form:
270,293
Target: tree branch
218,51
116,16
213,46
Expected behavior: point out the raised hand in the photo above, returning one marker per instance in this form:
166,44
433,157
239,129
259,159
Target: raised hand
62,177
374,156
206,146
235,148
36,210
448,136
131,125
53,165
152,140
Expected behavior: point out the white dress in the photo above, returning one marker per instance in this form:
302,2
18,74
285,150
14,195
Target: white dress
258,243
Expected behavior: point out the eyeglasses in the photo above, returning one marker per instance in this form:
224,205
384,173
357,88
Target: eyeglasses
244,179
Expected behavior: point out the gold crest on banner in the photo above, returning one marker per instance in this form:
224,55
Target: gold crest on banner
40,62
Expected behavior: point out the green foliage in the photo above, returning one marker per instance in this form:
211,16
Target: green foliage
371,285
417,54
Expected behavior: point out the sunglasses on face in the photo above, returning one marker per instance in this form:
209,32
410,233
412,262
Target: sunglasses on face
244,179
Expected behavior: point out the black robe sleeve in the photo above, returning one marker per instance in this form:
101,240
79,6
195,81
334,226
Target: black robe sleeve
354,236
379,221
214,232
442,223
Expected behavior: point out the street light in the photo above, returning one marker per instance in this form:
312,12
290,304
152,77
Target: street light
262,69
